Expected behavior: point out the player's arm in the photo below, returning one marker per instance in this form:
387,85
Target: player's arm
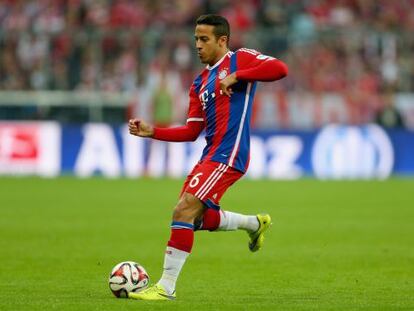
253,66
261,68
188,132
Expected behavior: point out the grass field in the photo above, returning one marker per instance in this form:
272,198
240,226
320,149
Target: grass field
333,245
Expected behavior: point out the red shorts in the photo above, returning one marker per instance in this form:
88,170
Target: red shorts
209,180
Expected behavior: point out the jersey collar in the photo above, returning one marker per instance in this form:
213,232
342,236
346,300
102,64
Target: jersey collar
220,61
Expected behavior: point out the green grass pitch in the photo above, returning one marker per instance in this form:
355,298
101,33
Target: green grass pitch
333,245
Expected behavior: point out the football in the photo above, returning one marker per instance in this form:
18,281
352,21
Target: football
127,276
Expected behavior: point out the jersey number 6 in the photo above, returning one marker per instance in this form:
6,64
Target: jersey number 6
195,180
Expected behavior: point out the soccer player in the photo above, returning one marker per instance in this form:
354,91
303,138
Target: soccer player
221,99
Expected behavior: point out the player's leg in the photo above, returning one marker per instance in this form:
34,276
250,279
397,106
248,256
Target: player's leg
219,220
181,240
178,248
215,219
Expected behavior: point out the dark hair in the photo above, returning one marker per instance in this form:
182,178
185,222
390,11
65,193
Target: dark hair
221,25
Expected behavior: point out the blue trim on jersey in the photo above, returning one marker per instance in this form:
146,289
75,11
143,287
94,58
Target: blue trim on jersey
233,62
197,84
244,146
181,225
210,111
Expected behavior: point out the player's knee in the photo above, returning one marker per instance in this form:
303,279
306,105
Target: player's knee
182,213
187,209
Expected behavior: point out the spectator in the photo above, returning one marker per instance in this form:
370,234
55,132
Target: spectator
352,48
388,116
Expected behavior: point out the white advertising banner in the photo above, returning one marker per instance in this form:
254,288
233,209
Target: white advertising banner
332,152
30,148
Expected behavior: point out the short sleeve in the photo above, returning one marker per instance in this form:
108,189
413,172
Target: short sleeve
195,110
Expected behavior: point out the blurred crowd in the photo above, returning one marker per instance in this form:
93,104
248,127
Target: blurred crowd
359,48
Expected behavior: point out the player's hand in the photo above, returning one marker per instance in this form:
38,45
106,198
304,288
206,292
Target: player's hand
140,128
226,83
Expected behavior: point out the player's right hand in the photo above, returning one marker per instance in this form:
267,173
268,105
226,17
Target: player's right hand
140,128
226,83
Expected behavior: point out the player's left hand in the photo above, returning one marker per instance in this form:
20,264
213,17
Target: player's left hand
226,83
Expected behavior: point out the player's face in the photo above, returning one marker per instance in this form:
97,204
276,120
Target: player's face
209,48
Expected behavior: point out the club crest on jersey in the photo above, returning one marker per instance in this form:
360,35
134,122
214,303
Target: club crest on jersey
222,74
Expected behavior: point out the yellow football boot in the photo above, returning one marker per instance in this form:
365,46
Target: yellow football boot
257,237
155,292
